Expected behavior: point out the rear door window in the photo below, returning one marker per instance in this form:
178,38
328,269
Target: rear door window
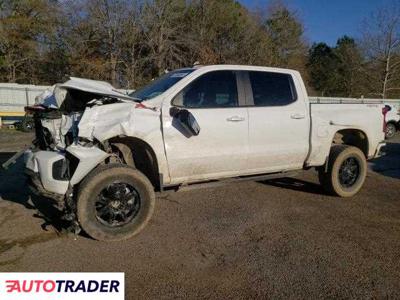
272,89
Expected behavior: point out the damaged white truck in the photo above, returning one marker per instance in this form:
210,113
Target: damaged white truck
104,154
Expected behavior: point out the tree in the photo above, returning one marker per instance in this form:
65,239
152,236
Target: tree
133,50
381,43
285,31
322,65
24,28
337,71
129,42
164,32
223,31
95,36
350,77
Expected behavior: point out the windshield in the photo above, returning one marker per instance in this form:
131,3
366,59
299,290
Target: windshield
160,85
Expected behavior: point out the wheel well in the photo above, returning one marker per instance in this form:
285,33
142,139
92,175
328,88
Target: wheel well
139,154
352,137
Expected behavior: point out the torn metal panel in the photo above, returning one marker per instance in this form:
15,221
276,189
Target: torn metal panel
89,158
55,96
106,121
101,88
52,97
103,122
59,127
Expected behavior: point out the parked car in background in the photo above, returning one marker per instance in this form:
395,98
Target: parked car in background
392,119
26,124
103,154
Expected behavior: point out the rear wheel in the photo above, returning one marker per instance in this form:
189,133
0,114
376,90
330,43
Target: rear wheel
346,173
390,130
115,202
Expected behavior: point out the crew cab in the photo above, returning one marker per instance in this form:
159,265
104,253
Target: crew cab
103,154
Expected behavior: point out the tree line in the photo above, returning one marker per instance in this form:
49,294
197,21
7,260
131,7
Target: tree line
130,42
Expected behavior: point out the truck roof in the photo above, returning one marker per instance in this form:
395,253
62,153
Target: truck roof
240,67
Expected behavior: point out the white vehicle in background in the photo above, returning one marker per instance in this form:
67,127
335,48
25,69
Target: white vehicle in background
104,154
392,116
392,119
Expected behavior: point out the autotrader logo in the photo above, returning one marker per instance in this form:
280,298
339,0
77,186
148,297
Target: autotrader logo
43,286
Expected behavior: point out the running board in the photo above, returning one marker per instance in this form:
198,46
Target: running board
221,182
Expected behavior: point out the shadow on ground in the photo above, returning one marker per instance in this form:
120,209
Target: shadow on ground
389,164
14,188
296,185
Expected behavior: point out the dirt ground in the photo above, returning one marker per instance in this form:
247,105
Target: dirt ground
276,239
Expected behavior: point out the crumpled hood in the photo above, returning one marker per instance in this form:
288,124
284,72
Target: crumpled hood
93,110
56,95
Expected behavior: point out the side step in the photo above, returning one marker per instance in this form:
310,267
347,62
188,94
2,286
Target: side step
221,182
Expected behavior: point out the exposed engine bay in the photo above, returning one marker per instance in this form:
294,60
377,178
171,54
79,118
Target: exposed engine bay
58,111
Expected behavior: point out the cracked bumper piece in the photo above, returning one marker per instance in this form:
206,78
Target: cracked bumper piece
36,187
88,159
49,168
42,167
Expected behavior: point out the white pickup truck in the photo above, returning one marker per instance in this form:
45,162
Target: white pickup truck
104,154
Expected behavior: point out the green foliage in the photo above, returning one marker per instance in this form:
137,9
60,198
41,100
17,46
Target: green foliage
337,71
24,28
322,62
286,34
129,42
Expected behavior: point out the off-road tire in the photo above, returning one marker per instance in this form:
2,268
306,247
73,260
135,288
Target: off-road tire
330,179
390,130
94,183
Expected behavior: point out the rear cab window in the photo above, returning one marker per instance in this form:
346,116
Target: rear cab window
272,89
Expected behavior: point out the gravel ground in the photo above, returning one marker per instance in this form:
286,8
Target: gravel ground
276,239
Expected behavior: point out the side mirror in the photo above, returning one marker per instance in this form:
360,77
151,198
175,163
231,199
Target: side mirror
188,121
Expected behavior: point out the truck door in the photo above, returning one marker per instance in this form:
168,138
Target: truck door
278,123
220,149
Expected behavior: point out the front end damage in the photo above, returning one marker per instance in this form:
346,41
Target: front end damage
73,122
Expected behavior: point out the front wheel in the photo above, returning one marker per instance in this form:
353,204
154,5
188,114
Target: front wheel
346,172
115,202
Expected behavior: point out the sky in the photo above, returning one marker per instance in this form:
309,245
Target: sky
328,20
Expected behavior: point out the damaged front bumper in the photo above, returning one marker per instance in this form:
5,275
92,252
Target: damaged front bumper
47,167
52,173
36,187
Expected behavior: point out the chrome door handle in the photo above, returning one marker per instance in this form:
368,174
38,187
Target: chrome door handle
297,116
235,119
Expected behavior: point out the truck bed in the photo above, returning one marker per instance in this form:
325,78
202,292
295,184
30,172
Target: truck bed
342,100
335,115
